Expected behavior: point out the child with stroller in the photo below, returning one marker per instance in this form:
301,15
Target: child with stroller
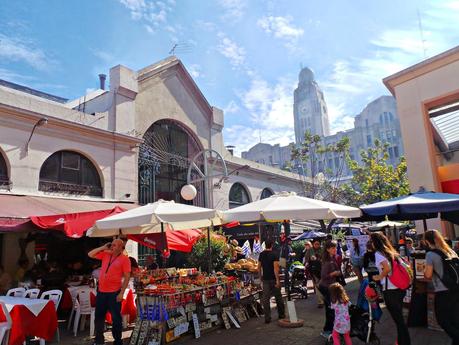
340,304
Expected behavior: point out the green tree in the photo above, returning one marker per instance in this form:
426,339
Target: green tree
375,179
312,157
199,257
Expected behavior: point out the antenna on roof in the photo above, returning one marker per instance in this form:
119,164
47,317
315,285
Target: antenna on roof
421,31
181,48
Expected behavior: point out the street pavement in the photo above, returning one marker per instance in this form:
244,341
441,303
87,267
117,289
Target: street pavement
255,331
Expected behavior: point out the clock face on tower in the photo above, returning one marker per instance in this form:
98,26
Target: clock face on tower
305,109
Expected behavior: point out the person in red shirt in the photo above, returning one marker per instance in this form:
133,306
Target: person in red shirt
113,280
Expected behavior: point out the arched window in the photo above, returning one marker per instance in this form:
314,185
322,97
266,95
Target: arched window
238,195
4,180
266,193
164,158
69,172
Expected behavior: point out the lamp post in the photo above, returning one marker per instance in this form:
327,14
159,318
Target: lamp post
41,122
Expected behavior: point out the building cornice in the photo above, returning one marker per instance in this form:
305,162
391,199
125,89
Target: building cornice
17,118
421,68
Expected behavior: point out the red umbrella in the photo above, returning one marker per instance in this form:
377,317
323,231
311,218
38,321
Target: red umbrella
181,240
73,224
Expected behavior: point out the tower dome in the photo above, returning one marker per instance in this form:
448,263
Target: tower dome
306,76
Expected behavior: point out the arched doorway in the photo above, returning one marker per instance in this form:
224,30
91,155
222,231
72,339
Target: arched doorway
4,179
266,193
238,195
164,158
69,172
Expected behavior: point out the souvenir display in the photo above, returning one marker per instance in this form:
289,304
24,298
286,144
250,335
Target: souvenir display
176,302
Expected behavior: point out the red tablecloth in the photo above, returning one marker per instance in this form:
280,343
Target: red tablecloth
25,323
127,306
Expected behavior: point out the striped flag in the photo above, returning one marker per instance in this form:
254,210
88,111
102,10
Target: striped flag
257,247
246,249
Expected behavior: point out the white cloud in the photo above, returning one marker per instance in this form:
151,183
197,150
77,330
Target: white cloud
21,50
208,26
153,13
270,114
282,28
231,50
356,81
195,70
233,9
231,107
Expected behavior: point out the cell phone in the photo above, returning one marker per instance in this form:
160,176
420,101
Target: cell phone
108,245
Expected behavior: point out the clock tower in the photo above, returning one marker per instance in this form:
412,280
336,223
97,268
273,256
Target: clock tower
309,107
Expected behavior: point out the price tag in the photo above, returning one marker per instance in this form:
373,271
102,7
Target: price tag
197,331
181,329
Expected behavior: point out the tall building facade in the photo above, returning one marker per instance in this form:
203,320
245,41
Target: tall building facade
272,155
309,107
378,120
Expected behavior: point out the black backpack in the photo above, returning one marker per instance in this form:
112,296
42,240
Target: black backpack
450,276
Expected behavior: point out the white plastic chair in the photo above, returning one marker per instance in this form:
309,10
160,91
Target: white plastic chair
5,327
82,308
55,296
32,293
16,292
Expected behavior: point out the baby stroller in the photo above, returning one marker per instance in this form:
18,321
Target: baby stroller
364,315
298,282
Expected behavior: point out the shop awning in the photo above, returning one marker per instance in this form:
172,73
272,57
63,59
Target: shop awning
16,210
73,224
181,240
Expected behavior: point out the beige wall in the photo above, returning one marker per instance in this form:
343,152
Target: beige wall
166,97
415,96
113,161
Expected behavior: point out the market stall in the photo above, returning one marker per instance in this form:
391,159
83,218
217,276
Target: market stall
185,302
175,302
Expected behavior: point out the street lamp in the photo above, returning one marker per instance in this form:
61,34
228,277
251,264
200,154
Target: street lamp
42,122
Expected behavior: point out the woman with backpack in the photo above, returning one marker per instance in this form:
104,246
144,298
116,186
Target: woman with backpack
441,266
385,256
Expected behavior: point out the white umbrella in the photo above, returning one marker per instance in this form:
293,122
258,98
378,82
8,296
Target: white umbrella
153,217
289,206
388,223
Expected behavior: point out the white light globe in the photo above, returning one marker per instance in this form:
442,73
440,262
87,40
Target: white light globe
188,192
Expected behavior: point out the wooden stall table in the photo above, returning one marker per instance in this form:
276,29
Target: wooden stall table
31,317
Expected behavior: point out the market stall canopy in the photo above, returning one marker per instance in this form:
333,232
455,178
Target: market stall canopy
310,235
287,205
420,205
73,224
149,219
180,240
16,210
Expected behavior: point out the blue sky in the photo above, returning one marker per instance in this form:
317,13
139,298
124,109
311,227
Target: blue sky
244,55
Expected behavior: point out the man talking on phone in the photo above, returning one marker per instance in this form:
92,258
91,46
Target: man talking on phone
113,280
